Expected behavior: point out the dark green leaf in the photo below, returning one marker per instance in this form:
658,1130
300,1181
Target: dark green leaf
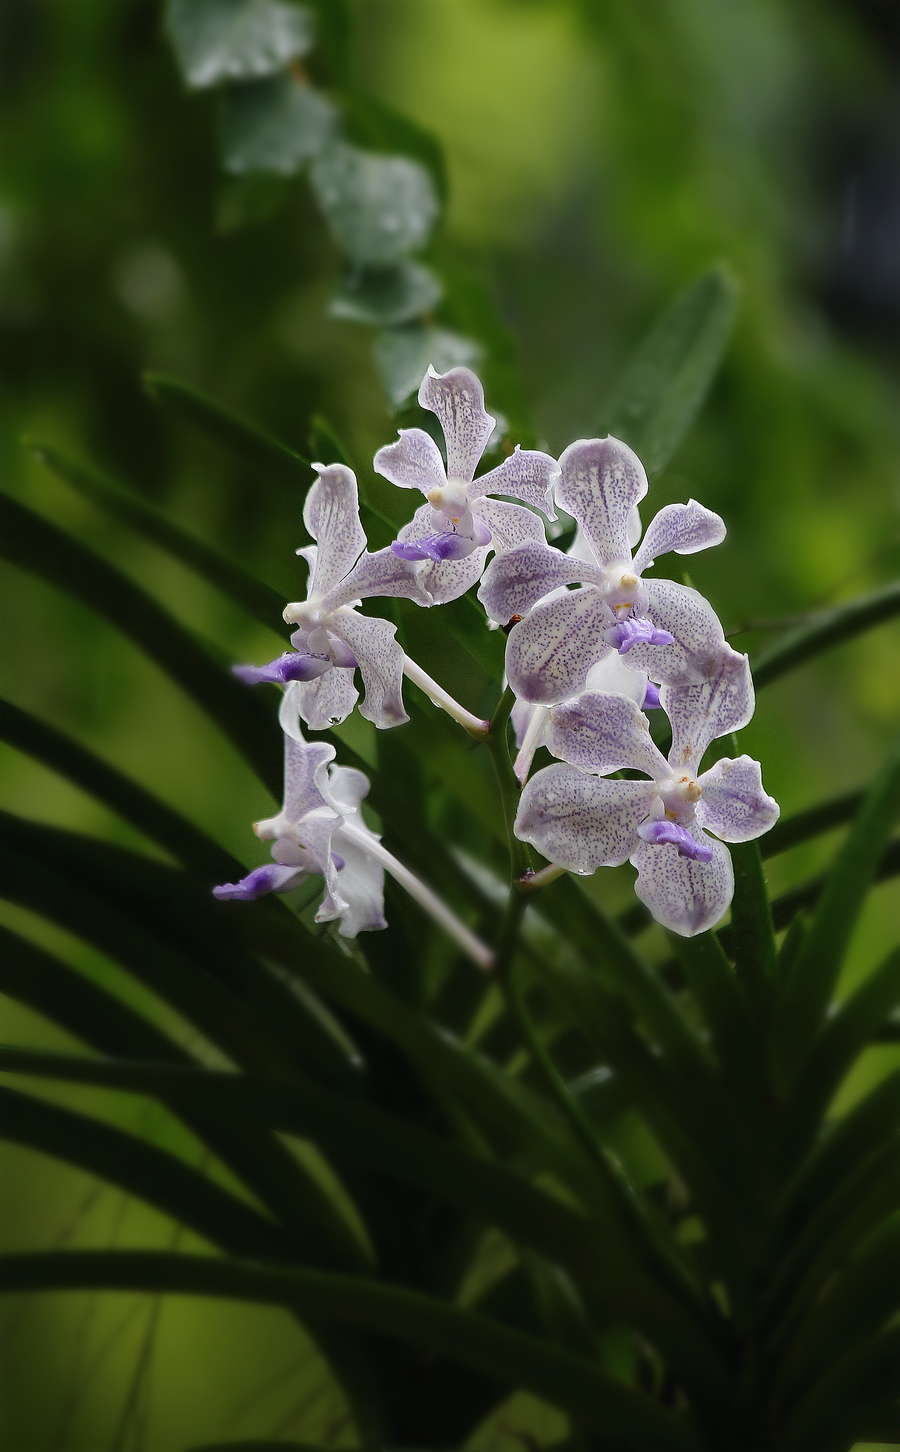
422,1321
386,296
236,434
380,208
752,934
831,628
791,831
376,125
229,40
662,389
274,125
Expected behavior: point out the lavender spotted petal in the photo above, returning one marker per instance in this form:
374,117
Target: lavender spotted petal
734,805
292,666
635,630
549,654
527,474
601,481
382,574
698,635
457,398
413,462
510,525
684,528
705,710
305,776
380,665
321,703
582,822
601,732
672,834
331,514
614,675
259,882
686,896
515,581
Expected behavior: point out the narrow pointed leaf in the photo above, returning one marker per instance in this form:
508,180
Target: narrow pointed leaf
831,628
236,434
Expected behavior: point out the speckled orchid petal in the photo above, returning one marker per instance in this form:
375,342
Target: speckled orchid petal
527,474
292,666
450,579
549,654
380,664
305,776
457,398
697,634
510,525
348,789
381,574
684,528
356,896
259,882
321,703
601,732
601,481
515,581
331,515
705,710
734,805
412,462
582,822
686,896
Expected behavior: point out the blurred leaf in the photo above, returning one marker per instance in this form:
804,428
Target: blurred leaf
380,208
250,201
229,40
235,433
662,389
808,989
831,628
375,124
259,600
752,936
34,544
790,831
383,297
423,1321
274,125
403,355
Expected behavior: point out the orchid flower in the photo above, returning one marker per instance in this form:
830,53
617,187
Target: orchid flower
551,650
579,819
332,638
320,830
453,531
611,675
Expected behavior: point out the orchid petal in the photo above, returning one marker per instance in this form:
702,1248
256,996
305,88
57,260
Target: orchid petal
321,703
510,525
331,515
601,732
305,776
684,528
380,664
413,462
698,635
357,895
582,822
526,474
457,398
292,666
516,580
347,788
261,880
530,725
615,675
382,574
686,896
705,710
601,481
734,805
449,580
549,654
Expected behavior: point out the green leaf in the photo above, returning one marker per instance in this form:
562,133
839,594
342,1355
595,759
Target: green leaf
260,601
236,434
380,208
830,628
229,40
752,933
421,1321
808,990
714,986
791,831
28,540
665,384
386,296
376,125
274,125
403,355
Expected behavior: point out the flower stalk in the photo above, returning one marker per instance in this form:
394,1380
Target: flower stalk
473,724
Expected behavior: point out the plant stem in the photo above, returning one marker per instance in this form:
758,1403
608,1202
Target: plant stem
480,954
534,881
473,724
497,742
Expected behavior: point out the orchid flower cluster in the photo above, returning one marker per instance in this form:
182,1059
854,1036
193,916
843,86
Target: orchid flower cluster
592,645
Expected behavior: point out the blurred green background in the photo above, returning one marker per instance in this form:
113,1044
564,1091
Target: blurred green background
600,155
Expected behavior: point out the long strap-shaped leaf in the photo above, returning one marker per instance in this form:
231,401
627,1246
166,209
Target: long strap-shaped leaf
831,628
235,433
422,1321
28,540
808,990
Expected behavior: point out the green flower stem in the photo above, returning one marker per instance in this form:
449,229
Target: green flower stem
497,741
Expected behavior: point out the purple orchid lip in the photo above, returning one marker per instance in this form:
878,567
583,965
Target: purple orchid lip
635,631
651,697
436,547
292,666
669,833
262,880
